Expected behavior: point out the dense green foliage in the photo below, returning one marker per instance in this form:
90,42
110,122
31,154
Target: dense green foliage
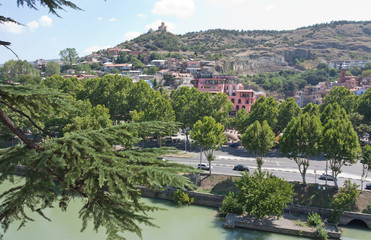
69,56
231,204
314,219
190,105
342,96
14,70
340,142
258,139
366,163
263,194
209,135
343,200
301,140
182,198
264,109
287,110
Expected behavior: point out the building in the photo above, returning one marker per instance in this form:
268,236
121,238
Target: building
107,67
230,85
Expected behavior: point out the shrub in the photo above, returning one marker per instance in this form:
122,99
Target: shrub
182,198
230,204
321,232
314,219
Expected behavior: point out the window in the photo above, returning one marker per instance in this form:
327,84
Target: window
239,101
232,100
243,106
237,108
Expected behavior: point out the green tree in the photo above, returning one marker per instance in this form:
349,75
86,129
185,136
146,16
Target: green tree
342,96
258,139
312,109
13,70
69,56
343,200
111,91
83,164
287,110
52,68
264,109
364,106
263,194
366,163
340,144
241,120
96,118
209,135
302,140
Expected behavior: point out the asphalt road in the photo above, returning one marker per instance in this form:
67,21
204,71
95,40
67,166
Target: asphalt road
282,167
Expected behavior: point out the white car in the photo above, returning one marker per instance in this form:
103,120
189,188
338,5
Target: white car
204,166
325,176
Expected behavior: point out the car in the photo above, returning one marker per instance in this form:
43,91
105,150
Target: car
325,176
234,145
240,167
204,166
161,158
368,186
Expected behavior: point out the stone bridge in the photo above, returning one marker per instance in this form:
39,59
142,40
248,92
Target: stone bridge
349,217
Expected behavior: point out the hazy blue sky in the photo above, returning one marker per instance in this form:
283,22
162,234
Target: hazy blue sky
104,24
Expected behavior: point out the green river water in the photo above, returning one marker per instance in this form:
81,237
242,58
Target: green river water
180,223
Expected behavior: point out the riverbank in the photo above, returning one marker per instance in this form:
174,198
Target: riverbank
289,224
212,189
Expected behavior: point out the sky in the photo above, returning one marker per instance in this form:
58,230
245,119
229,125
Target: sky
104,24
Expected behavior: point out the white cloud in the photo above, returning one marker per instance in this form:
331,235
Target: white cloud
45,21
183,9
141,15
100,18
170,26
11,27
131,35
95,48
112,19
269,8
33,25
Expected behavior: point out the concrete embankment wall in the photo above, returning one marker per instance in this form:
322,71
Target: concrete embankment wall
202,199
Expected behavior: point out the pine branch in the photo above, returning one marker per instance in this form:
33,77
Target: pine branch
9,123
25,115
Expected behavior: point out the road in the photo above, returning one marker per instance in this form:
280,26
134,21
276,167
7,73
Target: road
282,167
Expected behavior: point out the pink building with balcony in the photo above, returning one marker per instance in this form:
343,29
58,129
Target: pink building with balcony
240,97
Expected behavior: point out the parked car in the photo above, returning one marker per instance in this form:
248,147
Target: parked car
368,186
240,168
204,166
161,158
325,176
234,145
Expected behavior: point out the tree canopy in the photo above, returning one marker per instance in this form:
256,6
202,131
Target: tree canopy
263,194
209,135
83,164
258,139
301,140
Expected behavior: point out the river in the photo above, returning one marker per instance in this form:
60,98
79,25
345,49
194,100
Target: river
181,223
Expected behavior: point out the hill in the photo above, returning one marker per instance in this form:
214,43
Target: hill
259,51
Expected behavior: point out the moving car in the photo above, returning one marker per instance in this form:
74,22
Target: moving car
240,167
325,176
204,166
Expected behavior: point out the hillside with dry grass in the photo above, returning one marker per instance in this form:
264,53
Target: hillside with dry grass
265,51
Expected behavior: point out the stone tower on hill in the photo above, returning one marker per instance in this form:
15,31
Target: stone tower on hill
162,27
